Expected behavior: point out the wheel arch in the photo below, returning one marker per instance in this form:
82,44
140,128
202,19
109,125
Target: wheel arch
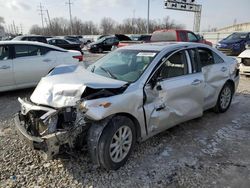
135,121
231,83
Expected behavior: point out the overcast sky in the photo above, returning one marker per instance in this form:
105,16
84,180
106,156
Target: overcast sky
215,13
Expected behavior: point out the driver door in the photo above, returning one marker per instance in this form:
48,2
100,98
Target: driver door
174,94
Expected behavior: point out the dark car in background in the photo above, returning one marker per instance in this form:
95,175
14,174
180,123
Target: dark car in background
65,44
38,38
106,43
234,44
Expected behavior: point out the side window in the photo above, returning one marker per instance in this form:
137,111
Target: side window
217,58
27,50
21,50
109,41
4,52
44,50
182,36
174,66
206,57
192,37
53,41
61,42
194,60
33,39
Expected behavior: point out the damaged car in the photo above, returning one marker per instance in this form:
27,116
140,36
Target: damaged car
125,97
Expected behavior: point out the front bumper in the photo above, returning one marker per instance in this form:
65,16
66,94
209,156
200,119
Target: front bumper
229,51
245,70
49,145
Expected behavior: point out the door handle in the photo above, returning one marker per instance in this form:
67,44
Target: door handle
196,82
5,67
223,69
47,60
161,107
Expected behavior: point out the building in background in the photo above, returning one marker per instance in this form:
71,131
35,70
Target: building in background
235,28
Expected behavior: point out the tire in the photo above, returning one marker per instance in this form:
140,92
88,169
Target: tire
100,50
113,153
225,98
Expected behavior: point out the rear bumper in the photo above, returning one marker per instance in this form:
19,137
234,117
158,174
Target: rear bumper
49,145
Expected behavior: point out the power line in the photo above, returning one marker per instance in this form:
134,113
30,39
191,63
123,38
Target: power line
70,15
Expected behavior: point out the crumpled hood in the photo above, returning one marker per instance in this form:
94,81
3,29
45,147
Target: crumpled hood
65,89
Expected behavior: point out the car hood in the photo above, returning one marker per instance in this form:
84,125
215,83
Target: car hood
66,88
231,41
245,54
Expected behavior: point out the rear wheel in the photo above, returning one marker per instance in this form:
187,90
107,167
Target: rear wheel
224,99
116,142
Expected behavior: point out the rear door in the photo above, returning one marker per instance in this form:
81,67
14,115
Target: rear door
108,43
6,67
215,72
31,62
177,94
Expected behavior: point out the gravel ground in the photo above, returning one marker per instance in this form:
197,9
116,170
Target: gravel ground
212,151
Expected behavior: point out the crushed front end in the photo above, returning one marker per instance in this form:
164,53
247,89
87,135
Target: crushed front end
48,129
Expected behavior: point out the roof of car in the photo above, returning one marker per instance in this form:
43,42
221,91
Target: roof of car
31,43
159,46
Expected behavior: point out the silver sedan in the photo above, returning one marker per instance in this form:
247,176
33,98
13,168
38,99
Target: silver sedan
126,97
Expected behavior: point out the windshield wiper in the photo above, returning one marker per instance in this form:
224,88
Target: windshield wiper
108,72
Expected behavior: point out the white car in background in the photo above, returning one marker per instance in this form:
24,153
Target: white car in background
245,61
23,63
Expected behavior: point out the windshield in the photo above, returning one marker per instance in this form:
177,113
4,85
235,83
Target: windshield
126,65
237,36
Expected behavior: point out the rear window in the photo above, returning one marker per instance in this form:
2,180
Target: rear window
159,36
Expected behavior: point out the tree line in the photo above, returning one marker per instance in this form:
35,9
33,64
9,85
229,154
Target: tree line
62,26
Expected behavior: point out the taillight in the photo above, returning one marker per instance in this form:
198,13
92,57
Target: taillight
79,57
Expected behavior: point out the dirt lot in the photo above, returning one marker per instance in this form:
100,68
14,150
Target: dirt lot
212,151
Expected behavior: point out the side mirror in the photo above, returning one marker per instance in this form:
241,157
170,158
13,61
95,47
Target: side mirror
154,80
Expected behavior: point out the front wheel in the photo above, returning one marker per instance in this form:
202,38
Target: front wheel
116,142
224,99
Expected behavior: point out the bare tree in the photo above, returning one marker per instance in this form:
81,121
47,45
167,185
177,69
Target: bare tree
36,30
61,26
107,25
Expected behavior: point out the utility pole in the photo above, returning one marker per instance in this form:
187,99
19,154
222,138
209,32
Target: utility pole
14,27
41,13
21,28
148,17
70,16
50,26
48,17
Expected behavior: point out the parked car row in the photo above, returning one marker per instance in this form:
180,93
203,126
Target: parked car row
24,63
67,42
